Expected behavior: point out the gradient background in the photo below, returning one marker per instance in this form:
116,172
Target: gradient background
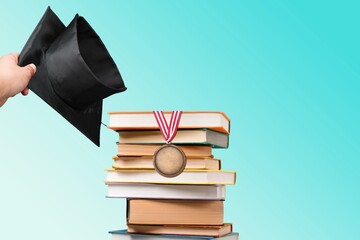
286,73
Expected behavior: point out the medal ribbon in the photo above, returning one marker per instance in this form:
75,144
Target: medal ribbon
168,131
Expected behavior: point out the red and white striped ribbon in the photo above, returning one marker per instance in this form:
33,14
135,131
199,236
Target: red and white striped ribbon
168,131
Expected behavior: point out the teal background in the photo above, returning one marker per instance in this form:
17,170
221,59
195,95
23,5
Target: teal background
285,72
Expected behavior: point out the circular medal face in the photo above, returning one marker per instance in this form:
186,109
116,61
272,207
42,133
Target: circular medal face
169,160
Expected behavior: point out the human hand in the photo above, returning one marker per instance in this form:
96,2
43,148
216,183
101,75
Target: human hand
13,78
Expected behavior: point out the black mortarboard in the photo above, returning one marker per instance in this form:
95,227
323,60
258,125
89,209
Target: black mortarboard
75,72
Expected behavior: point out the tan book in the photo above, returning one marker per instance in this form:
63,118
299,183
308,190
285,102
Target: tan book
148,150
196,177
212,231
206,163
145,120
183,212
182,137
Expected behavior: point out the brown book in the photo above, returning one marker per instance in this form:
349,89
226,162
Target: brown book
205,163
148,150
182,212
212,231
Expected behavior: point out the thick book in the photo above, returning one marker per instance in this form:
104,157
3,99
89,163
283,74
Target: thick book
124,235
204,163
220,177
183,212
149,149
166,191
210,231
145,120
184,137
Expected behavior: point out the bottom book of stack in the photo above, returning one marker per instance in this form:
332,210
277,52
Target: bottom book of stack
124,234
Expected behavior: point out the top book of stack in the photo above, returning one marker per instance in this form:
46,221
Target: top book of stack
145,120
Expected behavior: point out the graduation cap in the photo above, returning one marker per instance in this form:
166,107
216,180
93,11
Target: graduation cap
75,72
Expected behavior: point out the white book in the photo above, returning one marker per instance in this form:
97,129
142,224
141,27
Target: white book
219,177
124,235
166,191
145,120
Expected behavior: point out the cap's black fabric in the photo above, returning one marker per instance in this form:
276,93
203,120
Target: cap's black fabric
74,73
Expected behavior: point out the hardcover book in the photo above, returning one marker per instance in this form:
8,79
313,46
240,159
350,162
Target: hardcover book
217,121
149,149
211,231
124,235
183,137
220,177
184,212
166,191
141,163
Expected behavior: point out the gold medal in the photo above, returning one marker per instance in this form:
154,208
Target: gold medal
169,160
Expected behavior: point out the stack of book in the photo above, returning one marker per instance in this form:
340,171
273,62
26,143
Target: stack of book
190,205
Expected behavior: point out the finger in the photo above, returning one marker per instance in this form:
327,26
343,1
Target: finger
26,73
15,57
25,92
2,101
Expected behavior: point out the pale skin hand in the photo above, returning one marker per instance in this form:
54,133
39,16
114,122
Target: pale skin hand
14,79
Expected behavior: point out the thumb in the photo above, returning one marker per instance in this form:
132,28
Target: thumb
26,73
